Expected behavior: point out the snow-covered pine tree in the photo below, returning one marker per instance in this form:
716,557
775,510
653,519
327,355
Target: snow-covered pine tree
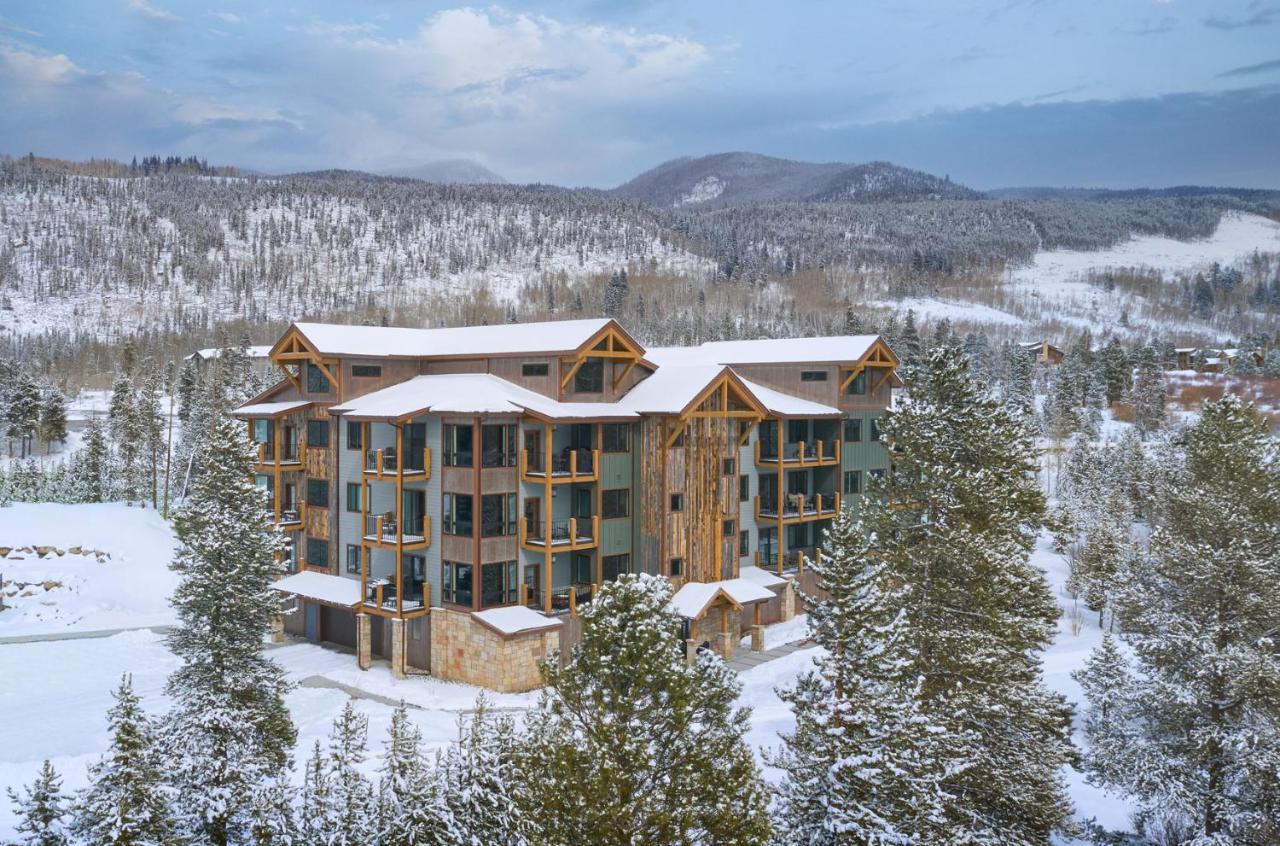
411,806
1019,381
1107,682
1200,613
22,414
962,508
229,731
127,802
273,817
630,744
126,435
863,764
92,464
350,814
910,347
314,816
53,417
1149,392
42,810
1115,373
480,781
149,424
1108,544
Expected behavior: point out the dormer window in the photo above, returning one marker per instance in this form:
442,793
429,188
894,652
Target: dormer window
317,382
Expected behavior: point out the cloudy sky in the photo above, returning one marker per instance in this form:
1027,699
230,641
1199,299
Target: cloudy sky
1119,93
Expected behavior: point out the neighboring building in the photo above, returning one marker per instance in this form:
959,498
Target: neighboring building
453,495
1186,357
1043,352
259,358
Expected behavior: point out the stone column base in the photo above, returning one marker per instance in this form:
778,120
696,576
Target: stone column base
277,628
397,648
690,651
788,600
725,645
364,641
757,638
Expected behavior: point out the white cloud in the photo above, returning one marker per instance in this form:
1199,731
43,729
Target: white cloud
228,17
142,7
38,68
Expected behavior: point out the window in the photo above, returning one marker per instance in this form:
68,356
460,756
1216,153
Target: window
317,552
744,542
613,566
497,515
590,377
533,368
498,445
853,481
457,583
353,496
813,375
677,502
366,371
317,382
353,558
729,467
615,503
727,528
853,430
744,488
616,437
457,514
317,493
355,435
457,445
580,572
677,566
498,584
875,428
858,385
318,433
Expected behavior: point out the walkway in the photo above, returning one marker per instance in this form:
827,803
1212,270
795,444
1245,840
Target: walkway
745,659
40,638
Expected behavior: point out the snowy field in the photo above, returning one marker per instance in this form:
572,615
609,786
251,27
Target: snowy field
56,693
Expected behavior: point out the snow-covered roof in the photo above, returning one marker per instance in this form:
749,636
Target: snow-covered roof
670,388
762,577
216,352
785,405
1185,349
469,393
789,350
331,590
692,600
503,339
270,409
515,619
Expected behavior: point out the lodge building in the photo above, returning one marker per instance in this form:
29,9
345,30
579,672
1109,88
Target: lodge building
452,497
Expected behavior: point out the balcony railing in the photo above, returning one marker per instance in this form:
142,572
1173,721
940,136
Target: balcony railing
381,593
563,599
791,561
798,508
386,462
290,452
571,465
381,529
574,533
800,453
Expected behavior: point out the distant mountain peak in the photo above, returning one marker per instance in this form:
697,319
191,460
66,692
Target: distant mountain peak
743,178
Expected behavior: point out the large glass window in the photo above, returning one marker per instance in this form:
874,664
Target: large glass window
875,428
318,433
457,514
317,552
853,430
353,558
613,566
853,481
458,445
317,493
498,584
615,503
317,382
353,496
744,487
498,445
858,385
457,583
590,377
355,435
497,515
616,437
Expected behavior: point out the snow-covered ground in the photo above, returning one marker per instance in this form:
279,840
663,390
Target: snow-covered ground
73,588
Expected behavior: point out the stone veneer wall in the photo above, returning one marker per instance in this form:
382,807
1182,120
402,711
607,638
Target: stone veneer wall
467,651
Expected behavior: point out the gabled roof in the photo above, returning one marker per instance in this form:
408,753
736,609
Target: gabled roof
270,409
469,393
693,600
553,337
216,352
837,348
785,405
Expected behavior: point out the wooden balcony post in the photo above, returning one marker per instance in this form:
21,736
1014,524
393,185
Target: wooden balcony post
378,528
595,464
524,593
573,463
595,530
573,532
378,463
524,463
426,462
800,454
573,601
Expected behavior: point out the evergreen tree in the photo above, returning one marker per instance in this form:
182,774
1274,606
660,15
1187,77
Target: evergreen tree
53,417
314,818
149,424
22,415
909,344
350,811
1149,392
863,764
42,811
615,293
1115,373
127,802
91,466
1108,544
188,385
412,810
630,744
229,731
480,781
1019,381
1196,732
272,820
126,434
955,531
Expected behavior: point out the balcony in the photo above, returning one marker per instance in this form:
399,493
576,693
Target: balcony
382,531
381,595
291,517
565,535
799,508
791,561
287,456
800,454
563,599
385,463
571,465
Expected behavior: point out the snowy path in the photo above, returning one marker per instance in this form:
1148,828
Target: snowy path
51,636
